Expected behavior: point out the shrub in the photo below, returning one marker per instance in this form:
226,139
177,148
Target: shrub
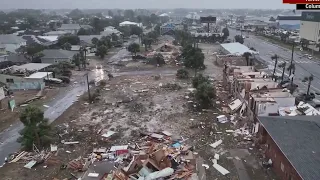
199,79
182,74
204,94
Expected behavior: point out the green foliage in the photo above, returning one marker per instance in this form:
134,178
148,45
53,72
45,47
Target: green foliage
114,37
205,92
135,30
193,58
134,48
76,60
95,41
36,129
101,51
66,46
182,74
199,79
32,52
239,39
71,39
105,41
225,32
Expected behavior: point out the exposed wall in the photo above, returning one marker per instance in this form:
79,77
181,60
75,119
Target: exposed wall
266,108
310,30
37,85
281,166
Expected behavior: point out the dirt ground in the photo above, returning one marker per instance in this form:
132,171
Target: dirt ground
132,104
9,117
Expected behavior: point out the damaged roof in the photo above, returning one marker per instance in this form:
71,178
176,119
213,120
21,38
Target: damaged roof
298,139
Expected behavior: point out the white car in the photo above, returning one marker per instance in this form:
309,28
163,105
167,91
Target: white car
310,57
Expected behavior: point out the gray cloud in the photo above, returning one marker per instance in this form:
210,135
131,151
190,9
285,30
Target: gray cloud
133,4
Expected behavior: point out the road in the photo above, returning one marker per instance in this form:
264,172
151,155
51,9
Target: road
304,66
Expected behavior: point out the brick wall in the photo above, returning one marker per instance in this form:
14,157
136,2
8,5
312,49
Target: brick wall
281,166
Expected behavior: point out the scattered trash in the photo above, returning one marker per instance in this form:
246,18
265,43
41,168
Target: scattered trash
108,134
206,166
221,169
30,164
53,148
222,119
46,106
93,174
216,144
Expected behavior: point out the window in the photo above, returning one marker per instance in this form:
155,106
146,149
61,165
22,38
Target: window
282,167
9,80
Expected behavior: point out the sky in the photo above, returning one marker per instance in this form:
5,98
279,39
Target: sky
143,4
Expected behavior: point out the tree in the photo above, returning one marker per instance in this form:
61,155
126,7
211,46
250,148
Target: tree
247,56
292,68
275,58
95,41
283,66
66,46
239,39
71,39
83,57
83,31
110,13
76,60
194,58
225,32
114,37
129,14
36,131
97,24
101,51
199,79
32,53
134,48
205,92
309,79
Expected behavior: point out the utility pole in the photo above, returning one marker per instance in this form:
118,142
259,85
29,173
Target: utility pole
88,85
283,69
290,71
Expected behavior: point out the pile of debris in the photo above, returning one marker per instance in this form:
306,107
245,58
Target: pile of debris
156,155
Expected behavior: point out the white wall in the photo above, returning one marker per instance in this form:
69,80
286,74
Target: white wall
310,30
266,108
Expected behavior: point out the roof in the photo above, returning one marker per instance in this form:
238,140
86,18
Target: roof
236,48
298,139
164,15
55,33
10,39
31,66
75,48
85,26
17,58
88,38
57,53
297,17
70,27
128,23
39,75
48,38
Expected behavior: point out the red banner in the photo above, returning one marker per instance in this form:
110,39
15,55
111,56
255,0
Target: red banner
301,1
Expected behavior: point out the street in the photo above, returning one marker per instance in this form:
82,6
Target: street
304,66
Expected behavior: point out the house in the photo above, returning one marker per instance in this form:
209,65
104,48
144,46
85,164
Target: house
289,22
25,76
70,28
53,56
292,145
108,31
55,33
3,53
169,28
12,42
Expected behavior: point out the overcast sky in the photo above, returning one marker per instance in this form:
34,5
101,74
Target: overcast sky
134,4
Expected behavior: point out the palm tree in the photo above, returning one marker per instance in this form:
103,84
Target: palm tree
247,56
309,79
283,66
274,57
292,68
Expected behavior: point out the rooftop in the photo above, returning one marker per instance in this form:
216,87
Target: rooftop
70,27
31,66
55,33
298,139
292,17
57,53
39,75
10,39
236,48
